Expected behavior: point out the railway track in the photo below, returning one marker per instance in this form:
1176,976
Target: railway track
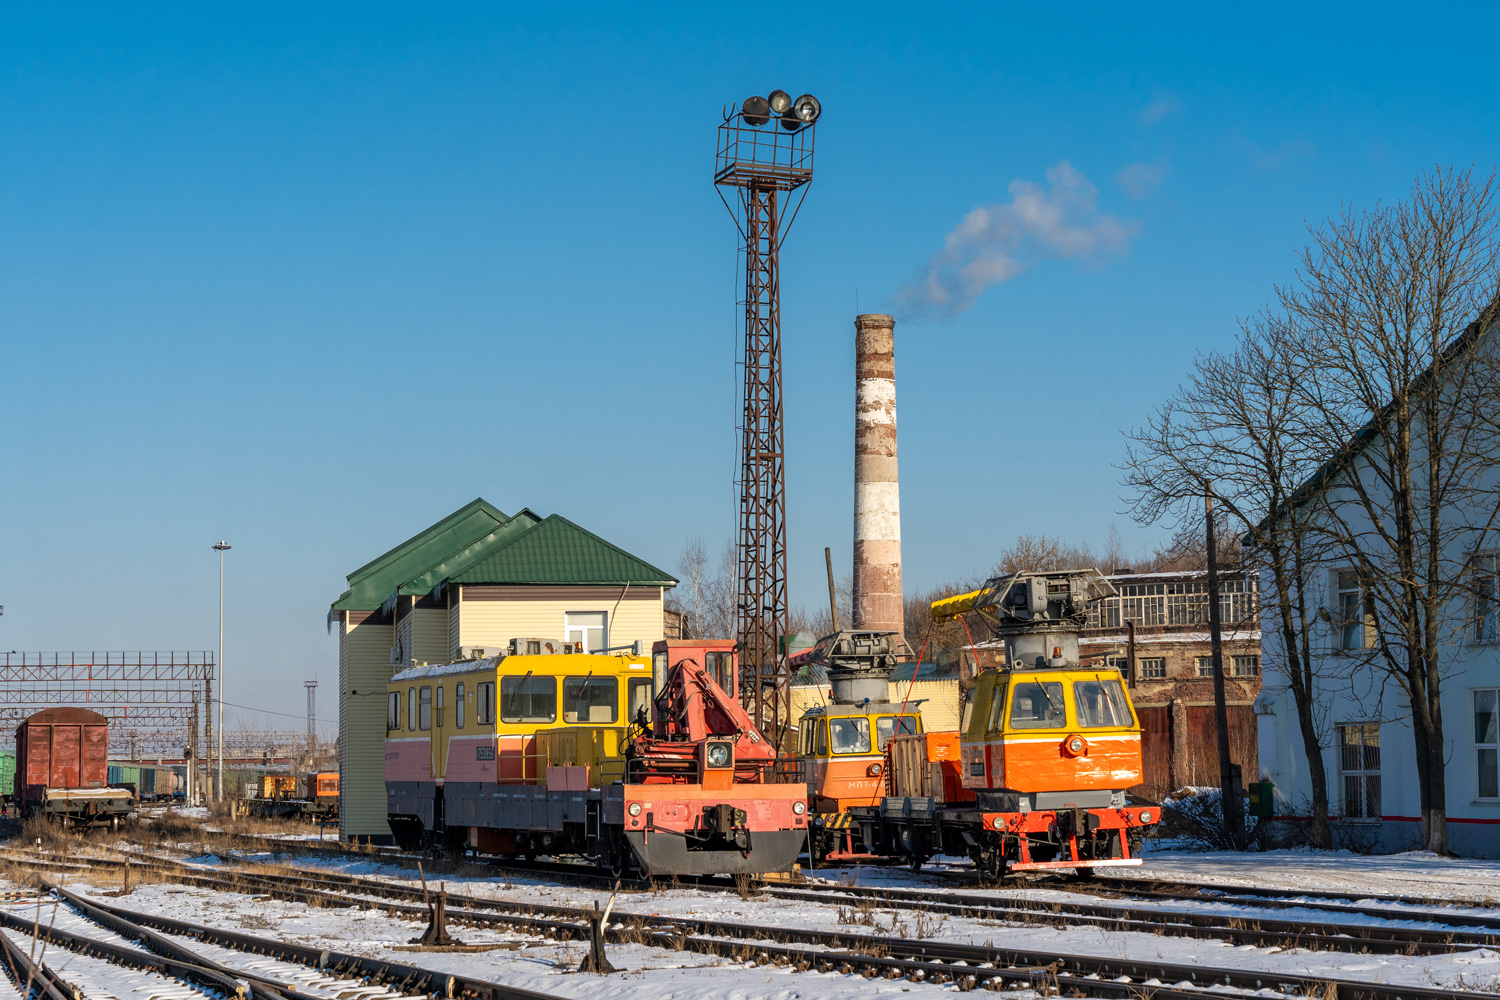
1130,886
1450,933
256,968
874,954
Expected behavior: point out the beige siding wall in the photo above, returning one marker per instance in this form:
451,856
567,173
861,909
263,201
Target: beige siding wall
364,669
429,635
492,616
940,712
455,605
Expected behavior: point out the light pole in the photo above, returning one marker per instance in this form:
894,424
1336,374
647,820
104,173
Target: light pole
221,547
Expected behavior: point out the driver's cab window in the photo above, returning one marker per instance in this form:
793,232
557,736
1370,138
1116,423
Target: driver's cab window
997,709
1037,705
822,741
850,735
888,726
640,695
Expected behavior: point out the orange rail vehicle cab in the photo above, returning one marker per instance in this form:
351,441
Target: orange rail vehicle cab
841,749
1054,730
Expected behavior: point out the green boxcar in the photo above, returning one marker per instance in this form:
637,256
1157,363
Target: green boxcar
7,773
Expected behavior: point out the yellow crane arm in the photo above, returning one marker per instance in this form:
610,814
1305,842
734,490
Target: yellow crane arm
951,607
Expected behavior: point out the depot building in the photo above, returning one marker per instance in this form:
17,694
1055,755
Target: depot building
467,586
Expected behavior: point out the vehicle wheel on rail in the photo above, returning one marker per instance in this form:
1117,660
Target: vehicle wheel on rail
530,856
817,851
916,861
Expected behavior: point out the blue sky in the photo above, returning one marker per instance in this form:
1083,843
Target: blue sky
309,280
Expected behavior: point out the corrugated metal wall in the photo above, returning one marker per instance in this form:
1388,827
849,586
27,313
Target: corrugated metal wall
364,669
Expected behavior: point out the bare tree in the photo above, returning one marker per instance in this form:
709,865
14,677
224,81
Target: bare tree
1235,430
1392,306
1040,553
705,593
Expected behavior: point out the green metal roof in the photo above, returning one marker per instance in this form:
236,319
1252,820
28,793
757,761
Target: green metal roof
557,551
376,580
467,556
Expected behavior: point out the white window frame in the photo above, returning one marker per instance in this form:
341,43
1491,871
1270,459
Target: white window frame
582,630
1342,621
1363,773
1484,616
1203,666
1141,662
1493,746
1250,662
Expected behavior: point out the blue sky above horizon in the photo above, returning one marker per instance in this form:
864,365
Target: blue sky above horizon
310,279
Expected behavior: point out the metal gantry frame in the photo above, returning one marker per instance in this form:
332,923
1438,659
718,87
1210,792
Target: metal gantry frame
154,700
763,165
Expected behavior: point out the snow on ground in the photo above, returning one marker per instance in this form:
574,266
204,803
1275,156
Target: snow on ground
98,979
1412,873
662,973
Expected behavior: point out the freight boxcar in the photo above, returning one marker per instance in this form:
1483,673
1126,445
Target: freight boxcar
62,768
7,779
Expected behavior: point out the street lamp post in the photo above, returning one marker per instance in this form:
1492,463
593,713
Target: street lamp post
221,547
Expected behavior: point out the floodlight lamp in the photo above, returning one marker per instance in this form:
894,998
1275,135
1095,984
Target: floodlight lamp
780,101
756,111
807,109
790,121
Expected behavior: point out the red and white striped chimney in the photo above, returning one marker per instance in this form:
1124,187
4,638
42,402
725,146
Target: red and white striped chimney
877,487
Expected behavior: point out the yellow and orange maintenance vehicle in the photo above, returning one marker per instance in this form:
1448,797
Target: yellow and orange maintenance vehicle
1038,775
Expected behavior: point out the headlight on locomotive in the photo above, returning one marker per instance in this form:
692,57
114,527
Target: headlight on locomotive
1145,815
799,807
635,809
718,755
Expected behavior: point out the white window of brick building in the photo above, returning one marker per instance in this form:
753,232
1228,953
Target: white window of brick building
1153,667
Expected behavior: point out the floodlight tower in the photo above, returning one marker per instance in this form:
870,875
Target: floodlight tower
765,153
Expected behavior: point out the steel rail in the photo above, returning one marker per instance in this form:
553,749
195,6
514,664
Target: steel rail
403,980
735,941
1285,933
1260,933
32,974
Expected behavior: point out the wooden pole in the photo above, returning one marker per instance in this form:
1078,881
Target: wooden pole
833,603
1234,820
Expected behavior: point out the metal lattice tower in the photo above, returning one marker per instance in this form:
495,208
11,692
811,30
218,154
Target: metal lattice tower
765,153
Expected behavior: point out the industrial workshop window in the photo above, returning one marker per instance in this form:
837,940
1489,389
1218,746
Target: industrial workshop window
1205,666
424,709
528,699
1487,743
850,735
1486,600
484,703
1359,766
589,628
1356,620
594,700
393,711
1247,666
1037,705
458,705
1153,668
